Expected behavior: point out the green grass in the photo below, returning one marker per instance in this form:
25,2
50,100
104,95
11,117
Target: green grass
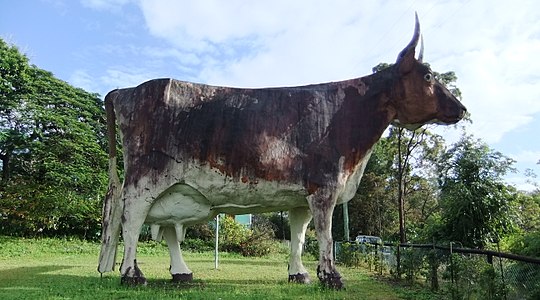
66,269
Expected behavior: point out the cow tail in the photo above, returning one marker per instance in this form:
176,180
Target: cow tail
110,233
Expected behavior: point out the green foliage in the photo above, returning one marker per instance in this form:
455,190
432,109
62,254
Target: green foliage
197,245
349,254
19,247
412,263
477,207
232,234
372,210
527,244
473,278
235,237
52,152
204,231
527,276
278,222
311,245
259,243
528,206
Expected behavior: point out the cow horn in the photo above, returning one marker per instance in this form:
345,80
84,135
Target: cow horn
421,54
412,44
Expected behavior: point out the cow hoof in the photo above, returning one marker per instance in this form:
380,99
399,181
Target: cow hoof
330,280
300,278
177,278
133,281
133,276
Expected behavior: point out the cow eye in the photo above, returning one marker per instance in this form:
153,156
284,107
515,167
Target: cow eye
428,77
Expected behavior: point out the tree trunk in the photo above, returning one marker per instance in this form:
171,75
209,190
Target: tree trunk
402,164
5,167
401,203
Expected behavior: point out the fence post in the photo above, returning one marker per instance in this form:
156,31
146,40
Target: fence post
452,272
502,272
434,266
399,261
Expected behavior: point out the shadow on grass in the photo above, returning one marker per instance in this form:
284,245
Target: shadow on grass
44,282
22,272
229,261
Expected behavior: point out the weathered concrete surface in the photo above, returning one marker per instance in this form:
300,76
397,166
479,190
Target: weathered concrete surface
193,150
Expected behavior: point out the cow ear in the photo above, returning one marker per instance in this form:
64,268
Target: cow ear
406,60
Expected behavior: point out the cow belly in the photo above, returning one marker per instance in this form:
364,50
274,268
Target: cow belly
199,193
179,204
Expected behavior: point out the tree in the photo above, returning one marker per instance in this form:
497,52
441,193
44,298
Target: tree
52,147
372,209
13,79
414,176
477,206
415,145
528,207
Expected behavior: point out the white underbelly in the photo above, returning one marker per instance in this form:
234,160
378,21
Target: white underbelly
199,193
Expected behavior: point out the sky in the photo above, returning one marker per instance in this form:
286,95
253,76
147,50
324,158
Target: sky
492,46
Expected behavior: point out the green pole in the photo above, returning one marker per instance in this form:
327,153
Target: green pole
346,234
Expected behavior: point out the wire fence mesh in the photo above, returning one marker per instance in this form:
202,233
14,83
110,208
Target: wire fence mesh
458,273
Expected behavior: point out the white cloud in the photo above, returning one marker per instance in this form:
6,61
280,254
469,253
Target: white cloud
120,77
171,54
252,43
112,78
82,79
527,156
113,5
522,183
496,63
259,43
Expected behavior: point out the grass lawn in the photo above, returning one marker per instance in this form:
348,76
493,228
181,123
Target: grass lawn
63,269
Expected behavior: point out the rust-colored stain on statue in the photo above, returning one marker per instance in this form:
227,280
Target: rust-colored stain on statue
302,149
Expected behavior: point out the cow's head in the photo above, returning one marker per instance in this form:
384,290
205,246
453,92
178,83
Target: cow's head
418,97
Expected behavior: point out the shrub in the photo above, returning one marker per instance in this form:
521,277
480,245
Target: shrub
205,232
232,234
235,237
311,245
349,254
197,245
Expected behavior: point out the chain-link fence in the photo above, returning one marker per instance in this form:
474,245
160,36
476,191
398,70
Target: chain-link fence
457,272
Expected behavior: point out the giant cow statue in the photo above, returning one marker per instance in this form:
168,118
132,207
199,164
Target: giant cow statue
192,151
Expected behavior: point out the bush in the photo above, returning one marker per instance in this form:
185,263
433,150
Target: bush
474,278
350,254
412,263
259,243
232,234
205,232
28,210
197,245
235,237
311,245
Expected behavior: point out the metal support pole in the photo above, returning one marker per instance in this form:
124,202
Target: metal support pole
346,234
217,243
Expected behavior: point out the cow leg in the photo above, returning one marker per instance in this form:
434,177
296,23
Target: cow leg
299,218
134,214
179,270
322,205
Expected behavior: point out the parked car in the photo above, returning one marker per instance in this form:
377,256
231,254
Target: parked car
369,239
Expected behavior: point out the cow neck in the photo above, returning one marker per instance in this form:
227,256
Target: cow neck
358,124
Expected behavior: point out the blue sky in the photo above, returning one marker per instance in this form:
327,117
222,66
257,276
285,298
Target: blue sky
493,46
